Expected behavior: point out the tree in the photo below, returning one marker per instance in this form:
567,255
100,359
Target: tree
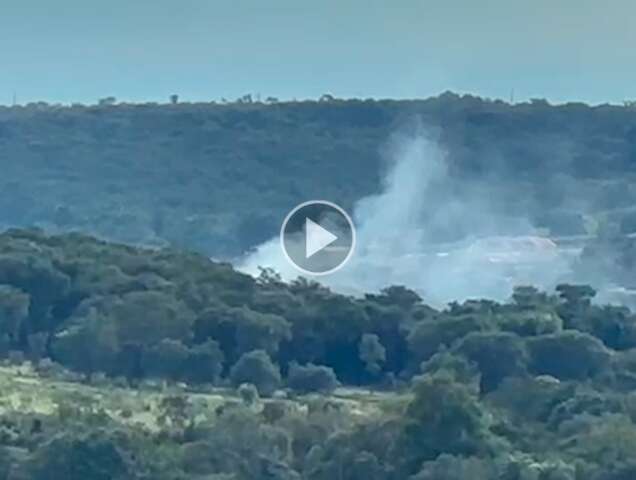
576,300
528,323
204,362
256,367
248,393
398,295
443,417
37,343
576,294
39,277
497,354
606,440
530,398
92,456
88,346
455,366
166,359
450,467
174,99
584,402
14,310
431,334
107,101
147,317
257,331
614,325
372,353
311,378
240,329
568,355
529,297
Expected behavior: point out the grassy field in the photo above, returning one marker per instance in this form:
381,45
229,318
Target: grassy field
153,406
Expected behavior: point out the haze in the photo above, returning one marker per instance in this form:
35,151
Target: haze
78,51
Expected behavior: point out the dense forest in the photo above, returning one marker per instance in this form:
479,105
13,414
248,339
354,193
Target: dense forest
217,178
540,387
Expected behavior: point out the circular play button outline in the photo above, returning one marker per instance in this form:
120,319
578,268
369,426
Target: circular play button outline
342,212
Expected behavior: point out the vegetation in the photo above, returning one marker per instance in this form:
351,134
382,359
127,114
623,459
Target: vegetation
121,362
159,364
218,178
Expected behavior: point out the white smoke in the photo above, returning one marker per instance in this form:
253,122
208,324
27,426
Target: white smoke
399,232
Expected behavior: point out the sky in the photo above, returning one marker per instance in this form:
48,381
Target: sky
67,51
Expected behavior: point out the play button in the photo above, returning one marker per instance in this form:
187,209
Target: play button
317,237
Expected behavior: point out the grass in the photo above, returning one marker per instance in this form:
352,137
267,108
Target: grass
23,390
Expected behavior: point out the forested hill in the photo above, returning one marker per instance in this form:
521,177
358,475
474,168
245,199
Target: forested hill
217,178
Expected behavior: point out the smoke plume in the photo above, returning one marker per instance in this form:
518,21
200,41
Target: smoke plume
441,236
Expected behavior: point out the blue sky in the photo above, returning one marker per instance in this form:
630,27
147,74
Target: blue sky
144,50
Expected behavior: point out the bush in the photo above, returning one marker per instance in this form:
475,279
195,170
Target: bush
248,393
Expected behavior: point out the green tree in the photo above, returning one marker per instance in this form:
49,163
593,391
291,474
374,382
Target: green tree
166,359
576,302
92,456
204,362
256,367
443,417
311,378
568,355
451,467
372,353
240,329
147,317
497,354
14,310
453,365
87,345
429,335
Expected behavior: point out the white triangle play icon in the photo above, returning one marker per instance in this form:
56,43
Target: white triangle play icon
316,238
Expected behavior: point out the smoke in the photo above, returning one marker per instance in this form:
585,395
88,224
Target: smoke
443,237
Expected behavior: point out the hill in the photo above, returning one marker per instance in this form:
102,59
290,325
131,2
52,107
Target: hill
218,178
